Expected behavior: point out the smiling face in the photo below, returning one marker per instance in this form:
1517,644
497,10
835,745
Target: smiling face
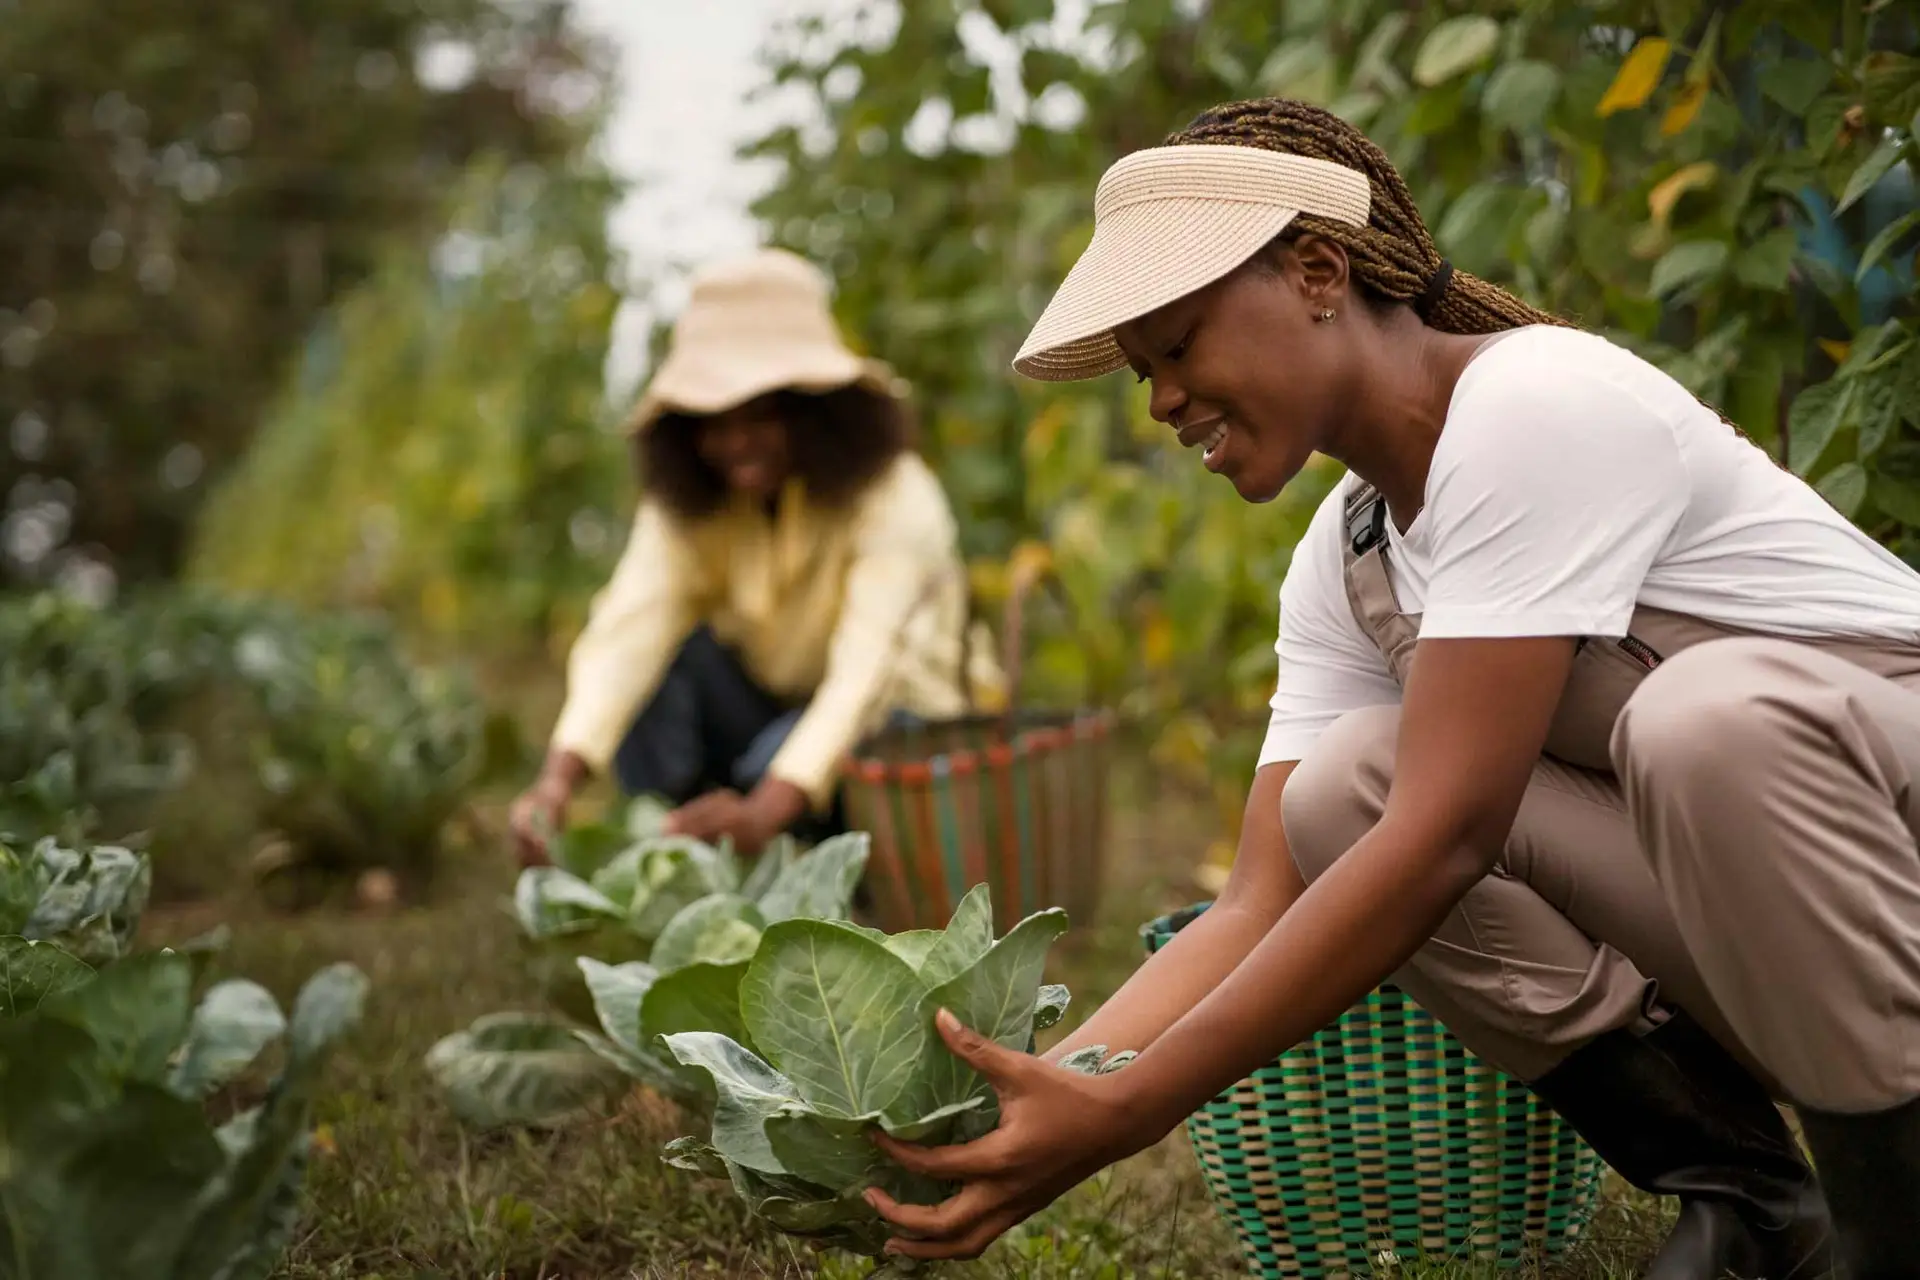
1243,370
748,447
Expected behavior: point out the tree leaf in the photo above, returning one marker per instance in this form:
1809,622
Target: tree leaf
1813,420
1684,108
820,883
1845,487
1768,262
1454,48
1871,170
1639,74
1794,83
968,934
32,972
1667,192
233,1022
1890,85
717,929
700,997
1888,236
746,1092
1520,94
837,1013
1689,262
520,1069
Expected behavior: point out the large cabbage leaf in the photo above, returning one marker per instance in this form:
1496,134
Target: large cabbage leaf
87,900
840,1020
520,1069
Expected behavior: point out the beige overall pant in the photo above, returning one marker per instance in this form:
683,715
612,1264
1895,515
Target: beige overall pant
1722,823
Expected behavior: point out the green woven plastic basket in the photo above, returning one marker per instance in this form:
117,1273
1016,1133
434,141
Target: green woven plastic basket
1383,1135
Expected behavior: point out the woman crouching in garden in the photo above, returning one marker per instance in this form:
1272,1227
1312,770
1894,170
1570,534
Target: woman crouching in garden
792,578
1595,730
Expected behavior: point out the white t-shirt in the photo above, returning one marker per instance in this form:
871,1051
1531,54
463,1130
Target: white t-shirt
1571,481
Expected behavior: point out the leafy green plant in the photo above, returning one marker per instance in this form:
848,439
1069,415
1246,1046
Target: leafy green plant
86,900
835,1036
114,1170
653,934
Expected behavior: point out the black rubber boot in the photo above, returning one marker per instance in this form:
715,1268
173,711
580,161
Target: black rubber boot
1676,1115
1870,1166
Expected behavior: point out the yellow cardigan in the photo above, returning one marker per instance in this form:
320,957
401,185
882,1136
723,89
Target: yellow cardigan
856,612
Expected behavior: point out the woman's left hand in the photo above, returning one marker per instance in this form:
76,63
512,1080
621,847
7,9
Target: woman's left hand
750,821
1057,1128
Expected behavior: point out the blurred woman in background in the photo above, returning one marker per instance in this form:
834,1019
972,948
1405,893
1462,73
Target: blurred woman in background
792,578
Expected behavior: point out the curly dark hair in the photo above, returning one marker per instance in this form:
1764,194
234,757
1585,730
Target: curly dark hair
838,443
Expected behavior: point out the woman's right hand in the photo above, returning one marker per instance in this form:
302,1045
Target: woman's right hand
537,813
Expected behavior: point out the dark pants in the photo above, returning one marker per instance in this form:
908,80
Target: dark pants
708,726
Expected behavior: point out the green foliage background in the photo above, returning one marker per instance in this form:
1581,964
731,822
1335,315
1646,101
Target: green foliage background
1726,188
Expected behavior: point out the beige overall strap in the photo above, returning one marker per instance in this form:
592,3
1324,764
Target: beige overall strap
1369,590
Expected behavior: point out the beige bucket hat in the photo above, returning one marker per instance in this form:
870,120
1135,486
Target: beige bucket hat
1167,221
754,324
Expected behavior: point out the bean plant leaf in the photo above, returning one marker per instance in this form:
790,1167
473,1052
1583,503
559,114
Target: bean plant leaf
699,997
720,928
837,1012
1871,170
768,868
1519,95
820,883
519,1069
1888,236
1688,262
549,902
31,972
746,1092
583,850
968,935
1050,1006
996,998
1813,421
617,991
233,1022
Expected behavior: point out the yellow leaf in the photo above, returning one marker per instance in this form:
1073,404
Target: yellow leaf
1156,642
1029,562
1634,83
1044,432
1686,105
1665,195
323,1142
988,581
1836,351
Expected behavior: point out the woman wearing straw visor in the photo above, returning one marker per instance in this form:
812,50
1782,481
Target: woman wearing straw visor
1594,729
793,576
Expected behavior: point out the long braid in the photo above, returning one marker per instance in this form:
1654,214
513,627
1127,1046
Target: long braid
1393,255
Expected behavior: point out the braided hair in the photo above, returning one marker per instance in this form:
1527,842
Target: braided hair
1392,256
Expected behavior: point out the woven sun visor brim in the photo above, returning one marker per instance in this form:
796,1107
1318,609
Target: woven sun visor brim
1141,258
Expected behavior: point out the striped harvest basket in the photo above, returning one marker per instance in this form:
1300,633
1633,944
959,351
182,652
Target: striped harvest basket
1017,802
1383,1135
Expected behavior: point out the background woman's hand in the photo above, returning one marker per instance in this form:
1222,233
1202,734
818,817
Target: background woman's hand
537,813
750,821
1057,1128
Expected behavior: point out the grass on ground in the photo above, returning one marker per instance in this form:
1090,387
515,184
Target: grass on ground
400,1190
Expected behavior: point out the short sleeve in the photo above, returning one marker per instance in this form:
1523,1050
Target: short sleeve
1552,490
1327,664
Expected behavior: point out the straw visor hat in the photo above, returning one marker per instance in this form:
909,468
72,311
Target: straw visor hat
755,324
1166,221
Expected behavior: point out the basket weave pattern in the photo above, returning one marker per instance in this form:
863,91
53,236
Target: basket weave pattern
1381,1135
1020,806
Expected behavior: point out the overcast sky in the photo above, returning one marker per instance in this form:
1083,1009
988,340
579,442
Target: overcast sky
686,67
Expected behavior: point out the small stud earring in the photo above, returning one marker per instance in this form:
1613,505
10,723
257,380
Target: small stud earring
1326,315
